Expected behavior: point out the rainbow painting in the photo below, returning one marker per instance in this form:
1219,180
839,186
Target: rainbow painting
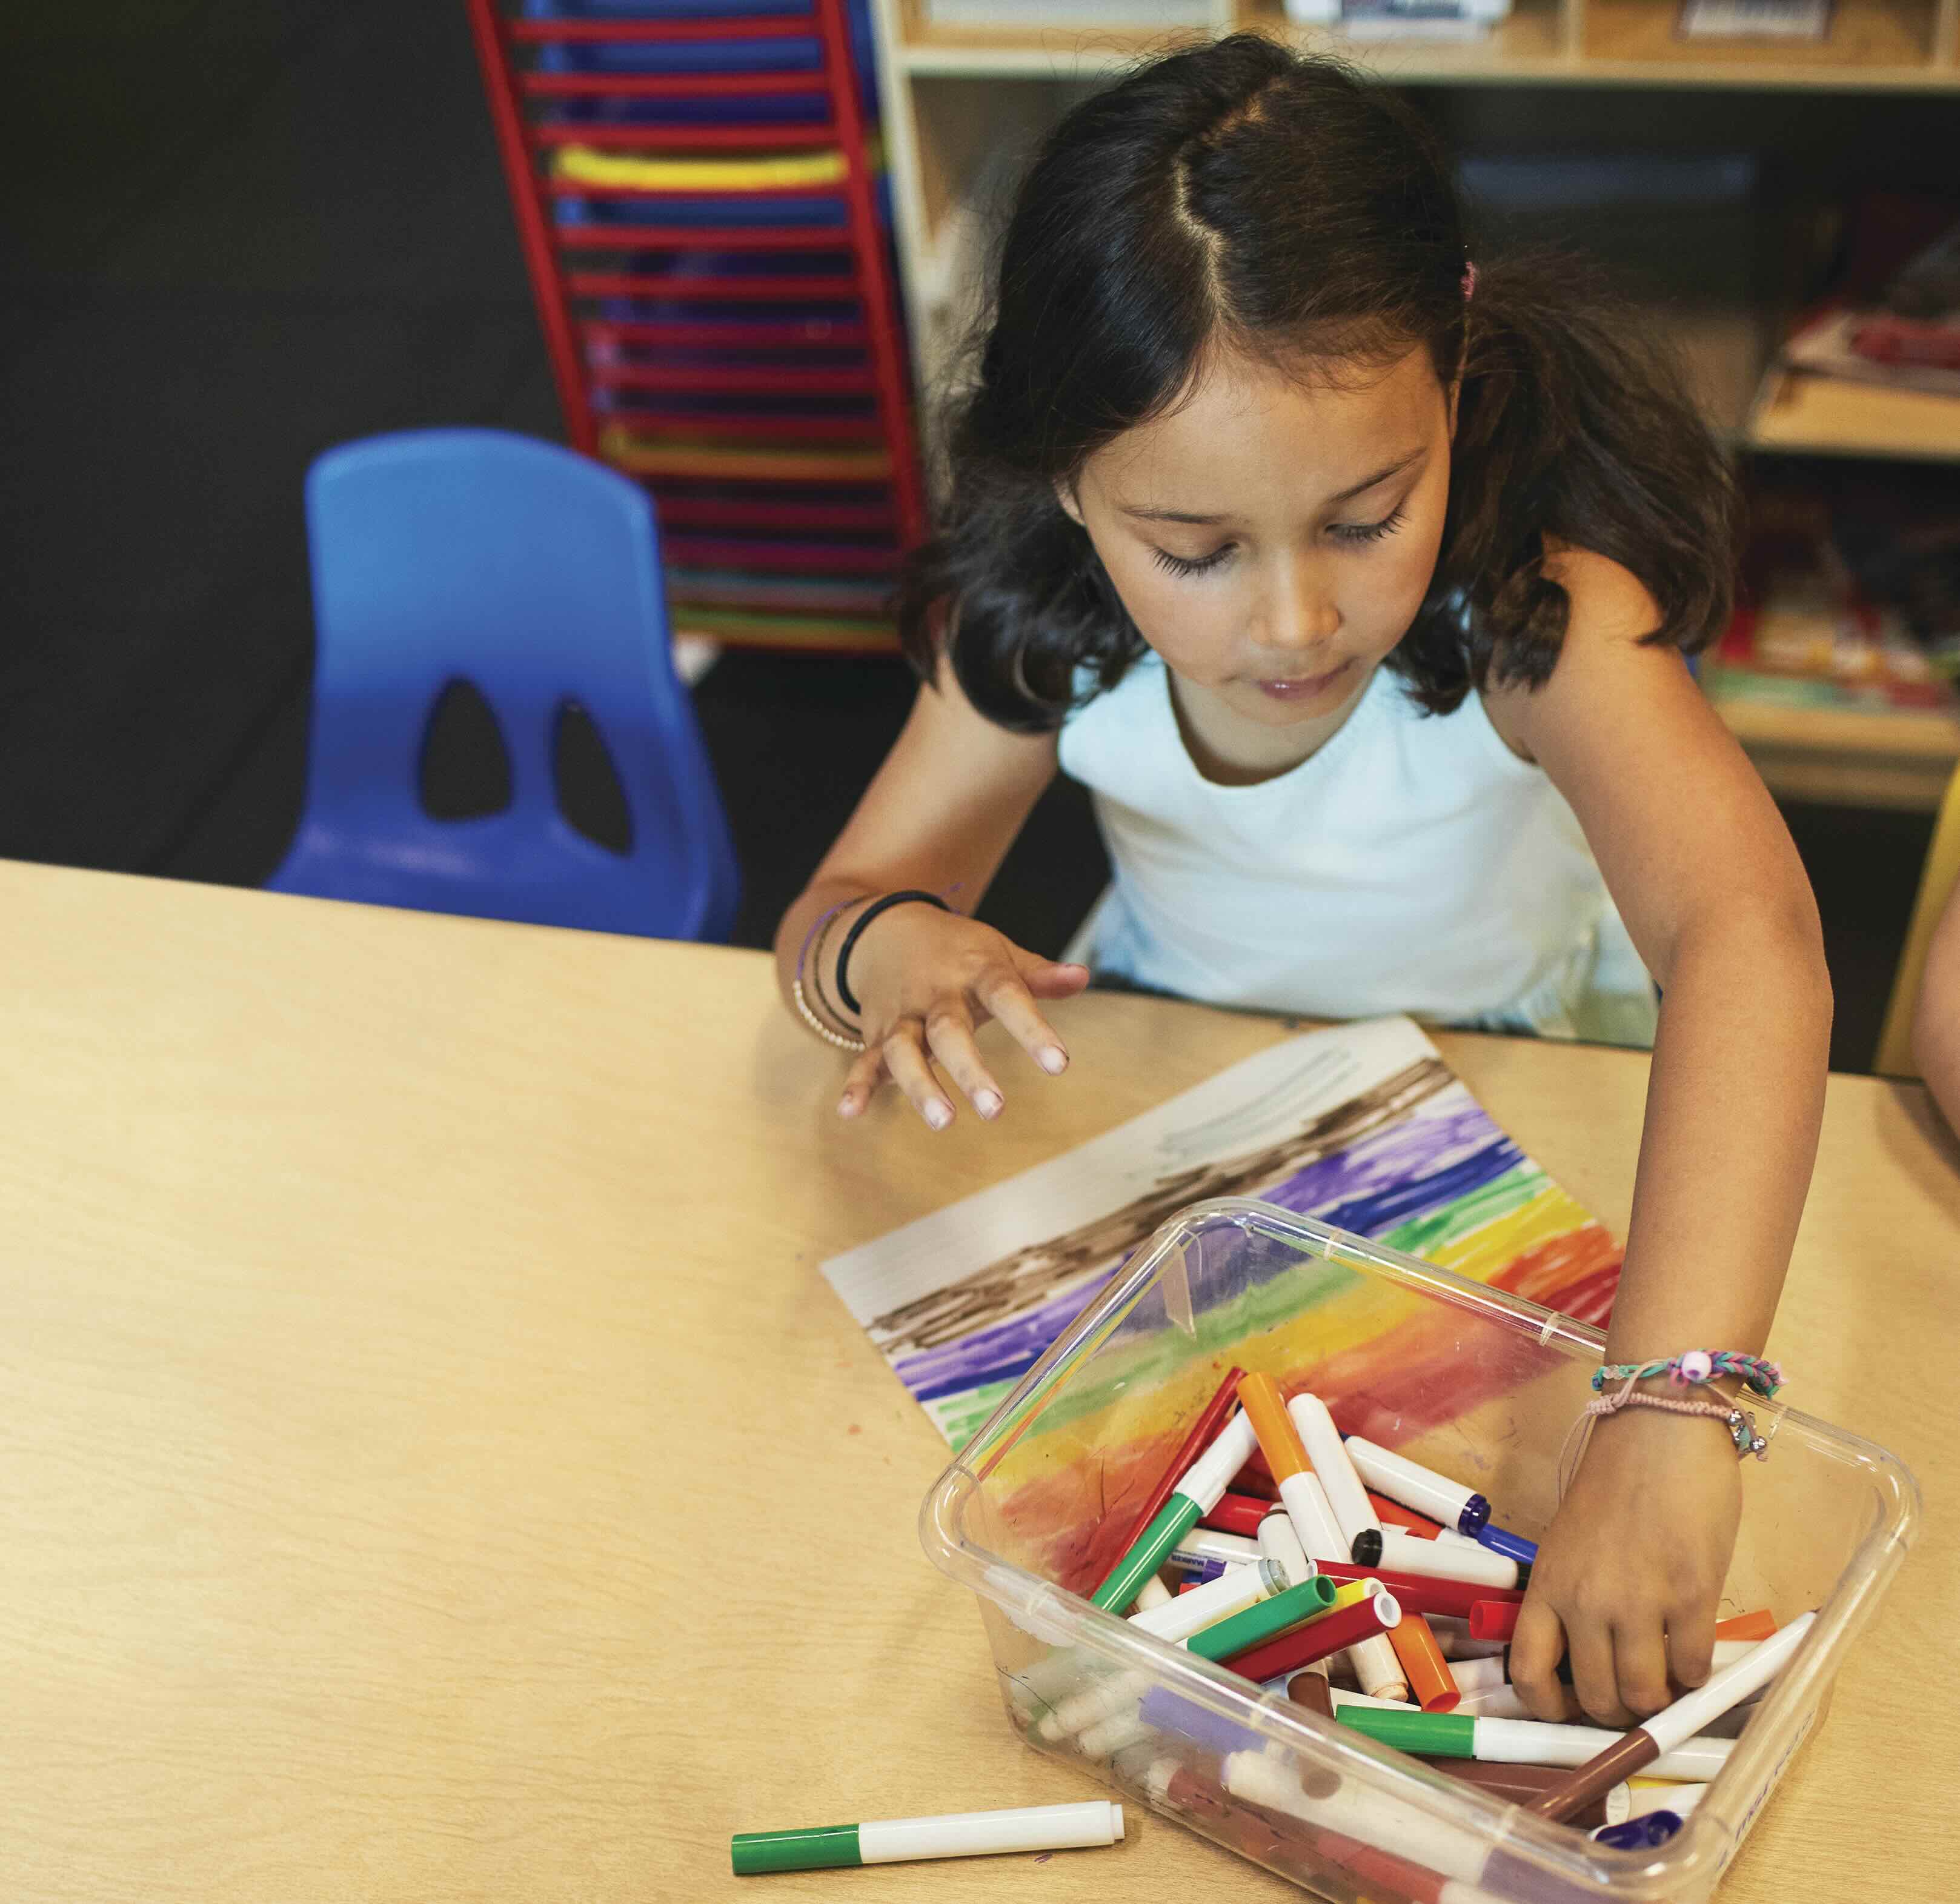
1363,1127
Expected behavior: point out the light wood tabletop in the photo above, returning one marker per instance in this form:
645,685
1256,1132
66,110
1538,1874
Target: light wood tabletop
432,1466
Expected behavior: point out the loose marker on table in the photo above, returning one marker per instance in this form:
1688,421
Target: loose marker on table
957,1834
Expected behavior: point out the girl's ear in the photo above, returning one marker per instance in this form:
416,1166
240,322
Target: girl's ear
1065,494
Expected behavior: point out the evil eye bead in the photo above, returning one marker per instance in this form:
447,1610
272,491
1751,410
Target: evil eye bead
1696,1366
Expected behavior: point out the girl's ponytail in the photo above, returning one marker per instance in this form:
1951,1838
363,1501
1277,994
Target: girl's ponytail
1572,429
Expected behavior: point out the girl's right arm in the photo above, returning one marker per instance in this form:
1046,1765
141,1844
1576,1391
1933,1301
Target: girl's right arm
940,815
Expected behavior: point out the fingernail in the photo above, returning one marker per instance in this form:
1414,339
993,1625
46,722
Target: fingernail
1053,1060
847,1107
938,1116
987,1103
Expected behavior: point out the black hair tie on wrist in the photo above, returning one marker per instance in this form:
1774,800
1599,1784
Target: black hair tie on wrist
864,919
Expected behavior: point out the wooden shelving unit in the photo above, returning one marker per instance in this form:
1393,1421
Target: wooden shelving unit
962,105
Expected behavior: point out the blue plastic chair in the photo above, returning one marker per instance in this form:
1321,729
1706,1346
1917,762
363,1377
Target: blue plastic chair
534,575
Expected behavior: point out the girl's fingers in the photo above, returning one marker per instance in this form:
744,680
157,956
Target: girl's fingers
905,1057
1639,1659
1047,978
1537,1646
1690,1641
1595,1683
949,1032
861,1082
1007,997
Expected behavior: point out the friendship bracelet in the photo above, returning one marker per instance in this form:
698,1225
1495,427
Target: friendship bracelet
857,925
1741,1422
1697,1365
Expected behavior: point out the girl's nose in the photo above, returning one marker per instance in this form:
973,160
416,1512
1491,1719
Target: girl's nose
1300,612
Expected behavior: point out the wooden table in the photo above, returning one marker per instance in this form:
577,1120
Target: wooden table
434,1468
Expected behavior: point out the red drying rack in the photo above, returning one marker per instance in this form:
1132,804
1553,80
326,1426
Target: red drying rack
779,444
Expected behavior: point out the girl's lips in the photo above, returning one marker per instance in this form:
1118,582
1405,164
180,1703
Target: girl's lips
1305,687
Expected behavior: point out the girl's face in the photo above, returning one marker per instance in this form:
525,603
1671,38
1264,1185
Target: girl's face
1272,538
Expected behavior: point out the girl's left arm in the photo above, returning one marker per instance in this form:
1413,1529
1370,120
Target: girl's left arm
1711,888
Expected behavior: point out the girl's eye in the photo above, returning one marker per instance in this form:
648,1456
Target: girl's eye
1368,531
1185,565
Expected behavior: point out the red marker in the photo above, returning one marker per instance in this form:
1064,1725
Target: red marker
1493,1619
1419,1593
1203,1432
1239,1513
1392,1513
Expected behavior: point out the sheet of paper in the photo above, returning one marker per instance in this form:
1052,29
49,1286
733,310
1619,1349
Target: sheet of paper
1363,1126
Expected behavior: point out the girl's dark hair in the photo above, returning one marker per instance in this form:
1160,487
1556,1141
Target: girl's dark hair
1240,194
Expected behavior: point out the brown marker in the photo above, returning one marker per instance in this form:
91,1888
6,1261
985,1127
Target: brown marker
1521,1784
1310,1689
1631,1752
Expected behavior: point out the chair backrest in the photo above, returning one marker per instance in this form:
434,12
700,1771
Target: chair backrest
1894,1058
532,574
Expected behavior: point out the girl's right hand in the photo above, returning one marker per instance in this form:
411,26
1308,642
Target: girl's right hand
927,981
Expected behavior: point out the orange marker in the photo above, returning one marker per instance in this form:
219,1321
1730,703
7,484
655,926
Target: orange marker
1373,1659
1392,1513
1429,1678
1758,1626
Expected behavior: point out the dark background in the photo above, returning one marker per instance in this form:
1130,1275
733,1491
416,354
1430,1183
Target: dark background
233,232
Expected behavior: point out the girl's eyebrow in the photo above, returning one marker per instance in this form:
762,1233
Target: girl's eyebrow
1345,495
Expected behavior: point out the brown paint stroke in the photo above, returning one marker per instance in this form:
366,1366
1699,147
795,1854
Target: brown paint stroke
1032,1274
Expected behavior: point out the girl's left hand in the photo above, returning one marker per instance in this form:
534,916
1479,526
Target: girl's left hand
1629,1576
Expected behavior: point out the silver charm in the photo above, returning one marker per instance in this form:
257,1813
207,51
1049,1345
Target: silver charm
1742,1427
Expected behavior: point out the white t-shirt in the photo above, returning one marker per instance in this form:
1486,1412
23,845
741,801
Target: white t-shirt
1415,863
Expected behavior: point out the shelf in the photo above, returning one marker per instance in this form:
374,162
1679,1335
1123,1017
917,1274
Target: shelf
1798,415
1870,42
1844,756
1873,46
1528,45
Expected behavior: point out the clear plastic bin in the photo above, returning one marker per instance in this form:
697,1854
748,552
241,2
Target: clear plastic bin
1477,1384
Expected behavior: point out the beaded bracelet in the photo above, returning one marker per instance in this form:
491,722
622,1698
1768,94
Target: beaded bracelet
810,1017
1697,1365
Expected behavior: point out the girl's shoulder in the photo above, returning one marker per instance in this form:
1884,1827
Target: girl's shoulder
1608,603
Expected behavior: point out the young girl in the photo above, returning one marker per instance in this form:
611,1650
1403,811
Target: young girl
1356,582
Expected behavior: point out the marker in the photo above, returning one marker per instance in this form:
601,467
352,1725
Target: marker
1204,1544
1493,1619
1341,1695
1169,1712
1321,1535
1661,1795
1211,1419
1244,1631
1217,1599
1519,1785
1345,1494
1152,1592
1446,1502
1643,1833
1499,1702
1513,1546
1759,1625
1197,1492
1421,1659
1403,1552
1239,1513
957,1834
1370,1616
1392,1513
1449,1735
1425,1594
1654,1742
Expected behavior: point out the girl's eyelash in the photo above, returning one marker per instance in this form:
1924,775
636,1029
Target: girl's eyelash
1370,531
1345,532
1184,565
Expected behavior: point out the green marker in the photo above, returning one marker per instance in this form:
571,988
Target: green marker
959,1834
1199,1491
1313,1595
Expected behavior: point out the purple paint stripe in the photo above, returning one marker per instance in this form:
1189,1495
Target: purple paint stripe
1367,1215
984,1355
